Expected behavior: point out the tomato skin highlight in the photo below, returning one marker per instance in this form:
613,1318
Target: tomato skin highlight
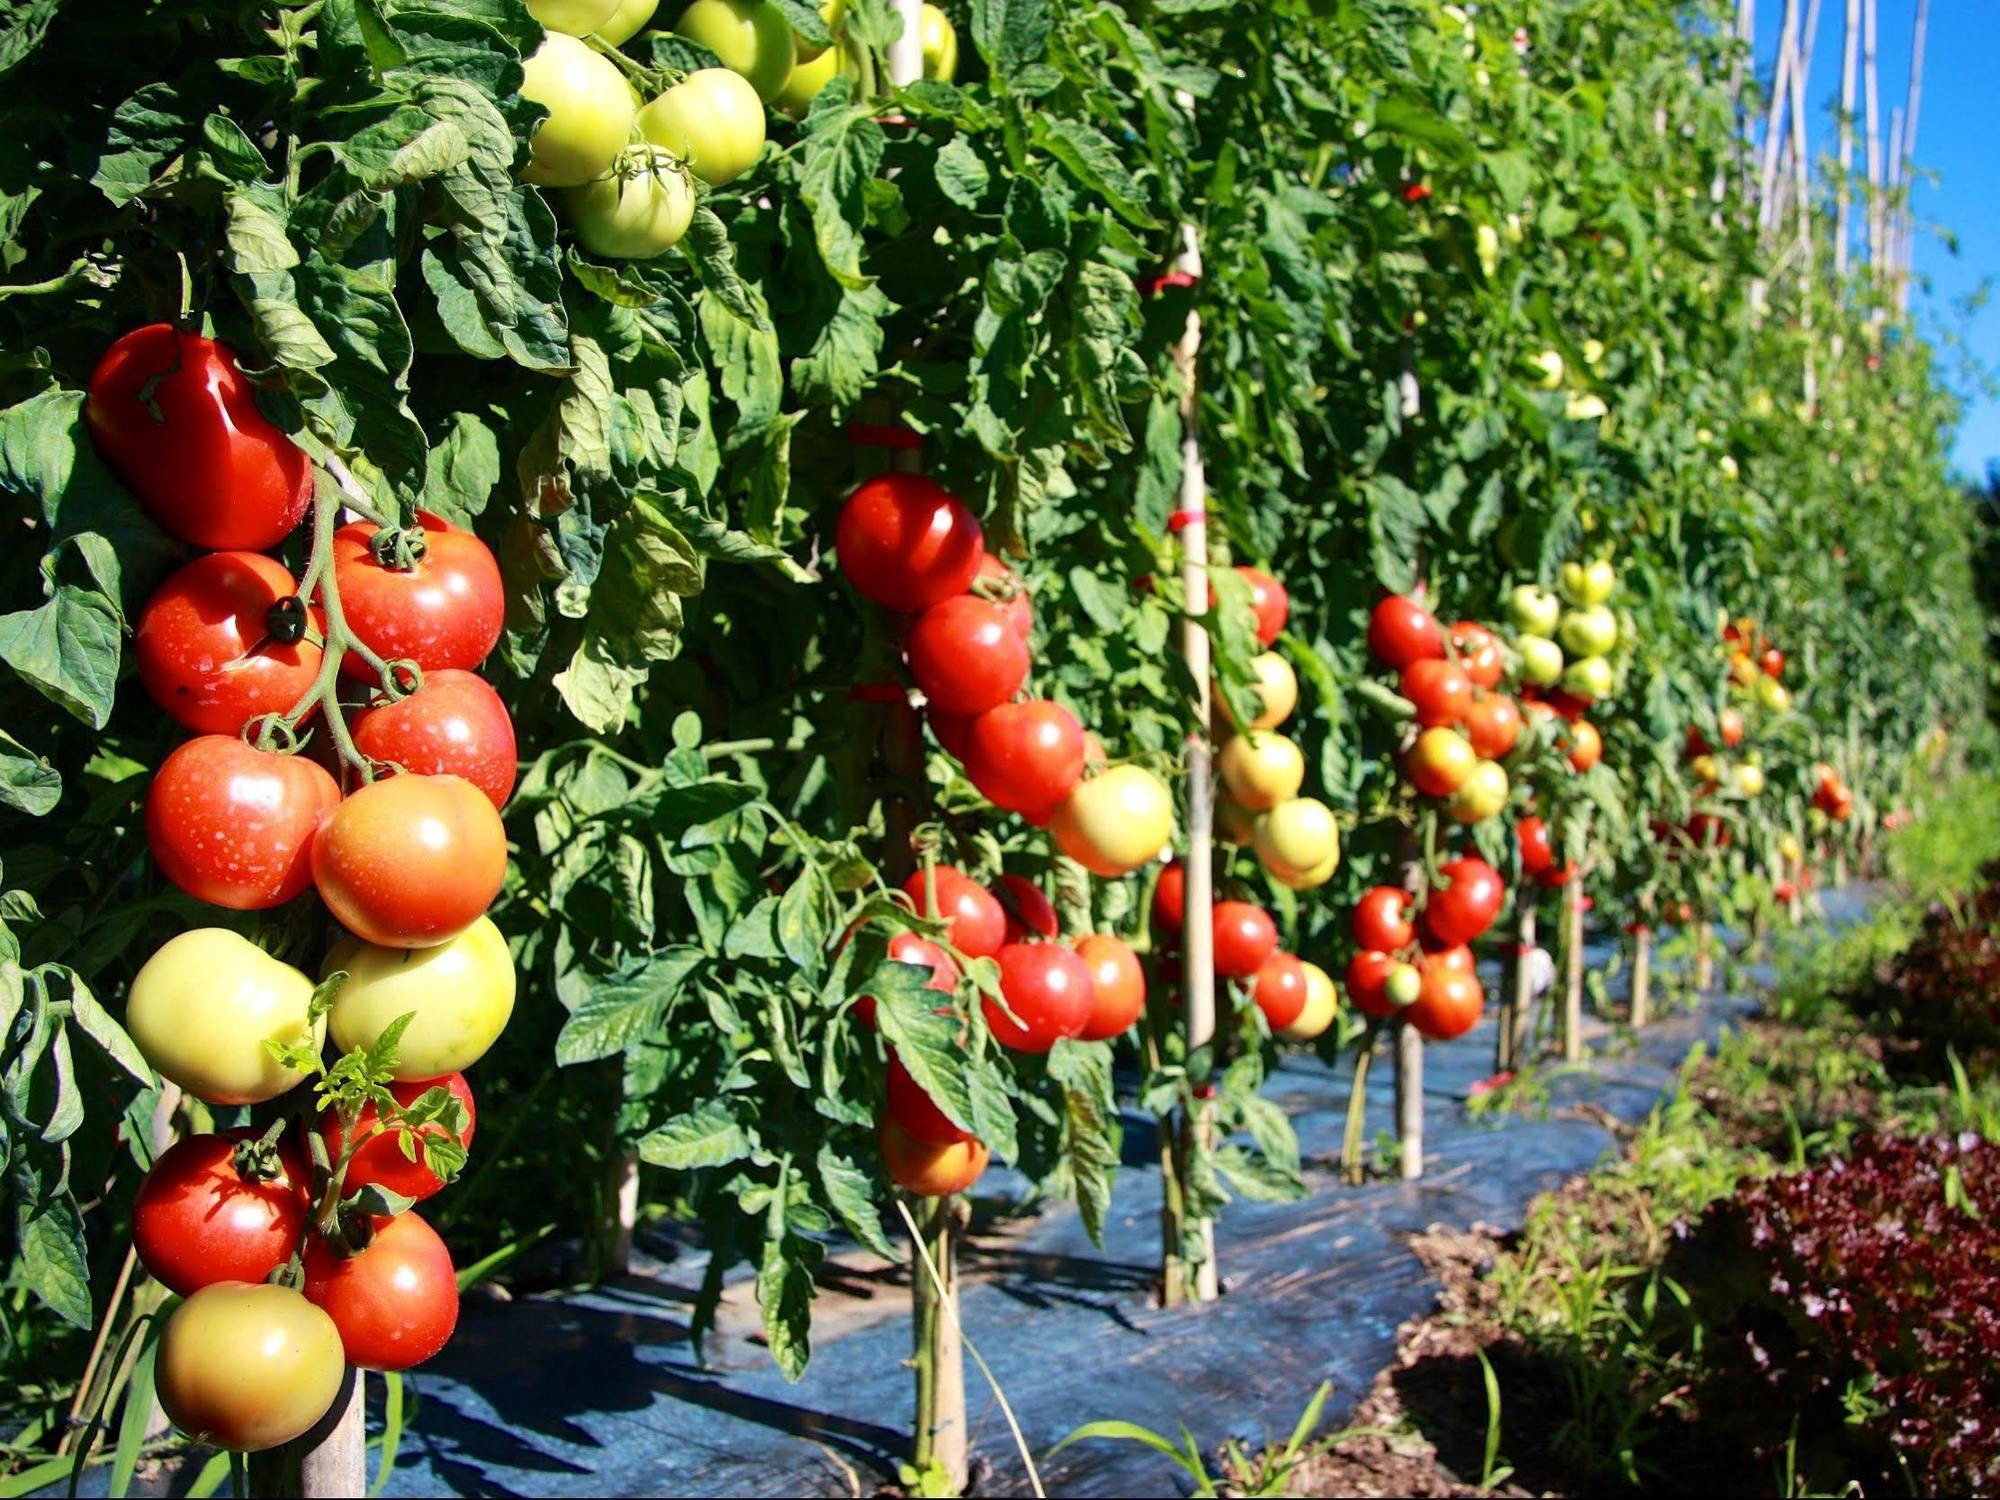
978,920
916,1112
930,1171
379,1158
1401,632
202,647
444,612
411,861
1245,936
906,543
967,655
1170,897
1011,591
396,1303
210,468
1117,985
1493,725
1451,1000
1381,919
233,825
197,1220
460,993
454,725
1279,989
246,1366
1440,761
1586,745
1269,601
1025,757
1478,654
1536,844
1048,987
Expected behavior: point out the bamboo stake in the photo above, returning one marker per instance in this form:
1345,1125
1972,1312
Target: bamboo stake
1642,976
1844,196
335,1460
1767,175
1906,238
1198,930
1801,167
1704,957
1508,1040
1410,1098
1572,1012
1872,106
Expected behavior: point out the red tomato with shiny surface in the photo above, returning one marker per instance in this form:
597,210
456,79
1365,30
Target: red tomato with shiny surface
1465,905
1401,631
1269,601
1047,987
1439,690
1030,914
978,920
1381,919
1117,986
213,1208
454,725
205,648
1001,583
906,543
967,655
175,419
1279,988
1448,1005
908,948
396,1302
233,825
1493,724
1478,653
1536,843
446,611
1367,983
410,861
1025,757
1245,936
1170,896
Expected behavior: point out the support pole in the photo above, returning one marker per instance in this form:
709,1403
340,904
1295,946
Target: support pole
1642,975
1510,1044
334,1464
1572,1012
1410,1098
1704,957
939,1359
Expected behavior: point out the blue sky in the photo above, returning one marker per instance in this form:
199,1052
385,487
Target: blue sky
1956,140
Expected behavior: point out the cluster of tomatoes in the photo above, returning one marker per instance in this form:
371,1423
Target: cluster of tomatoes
1296,838
626,168
237,653
1463,725
1756,667
1832,795
1297,997
913,548
1090,990
1419,962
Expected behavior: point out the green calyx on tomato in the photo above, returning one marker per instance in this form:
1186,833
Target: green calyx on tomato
640,208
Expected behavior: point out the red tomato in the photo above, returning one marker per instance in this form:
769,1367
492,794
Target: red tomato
1117,986
1440,690
1279,989
1493,724
1478,653
978,920
175,419
1270,602
444,612
233,825
1047,987
915,1110
396,1302
1466,904
1568,705
967,655
1245,936
1697,744
1448,1005
201,1217
1537,846
1025,757
1772,662
1367,976
379,1158
1030,914
410,861
1170,896
1007,589
908,948
1586,745
454,725
1381,919
1556,875
1456,957
1440,761
1401,631
906,543
926,1170
1731,722
204,646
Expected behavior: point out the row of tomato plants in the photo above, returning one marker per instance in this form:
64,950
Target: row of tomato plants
1473,322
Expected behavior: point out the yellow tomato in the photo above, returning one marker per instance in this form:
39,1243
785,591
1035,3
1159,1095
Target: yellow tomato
1322,1004
204,1005
460,993
1115,822
247,1367
1296,837
1481,795
1262,769
1277,690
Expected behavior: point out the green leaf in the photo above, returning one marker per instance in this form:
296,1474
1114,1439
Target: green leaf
28,783
148,129
709,1136
926,1042
1513,174
1099,167
50,1259
1010,34
620,1011
98,1024
707,245
851,1192
67,650
961,173
463,470
785,1295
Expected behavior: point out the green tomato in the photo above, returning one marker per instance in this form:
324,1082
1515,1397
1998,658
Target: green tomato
1534,610
641,210
832,12
590,112
204,1005
459,995
626,22
1541,659
1403,985
750,37
712,120
573,17
1589,632
1480,795
1589,585
808,78
1548,368
1773,694
1588,677
940,39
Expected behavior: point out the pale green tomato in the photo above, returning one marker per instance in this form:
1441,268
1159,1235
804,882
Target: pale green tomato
832,13
590,112
750,38
1588,677
1592,584
1296,836
626,21
247,1367
1481,795
1585,406
1541,659
641,210
204,1005
459,993
712,120
940,45
1750,781
1116,821
1589,632
1403,985
573,17
1548,367
1773,694
1534,610
808,78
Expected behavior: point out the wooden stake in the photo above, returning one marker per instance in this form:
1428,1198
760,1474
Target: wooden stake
1642,976
1704,957
1572,1012
1872,108
1410,1098
1850,49
1767,175
1904,246
1510,1044
334,1463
